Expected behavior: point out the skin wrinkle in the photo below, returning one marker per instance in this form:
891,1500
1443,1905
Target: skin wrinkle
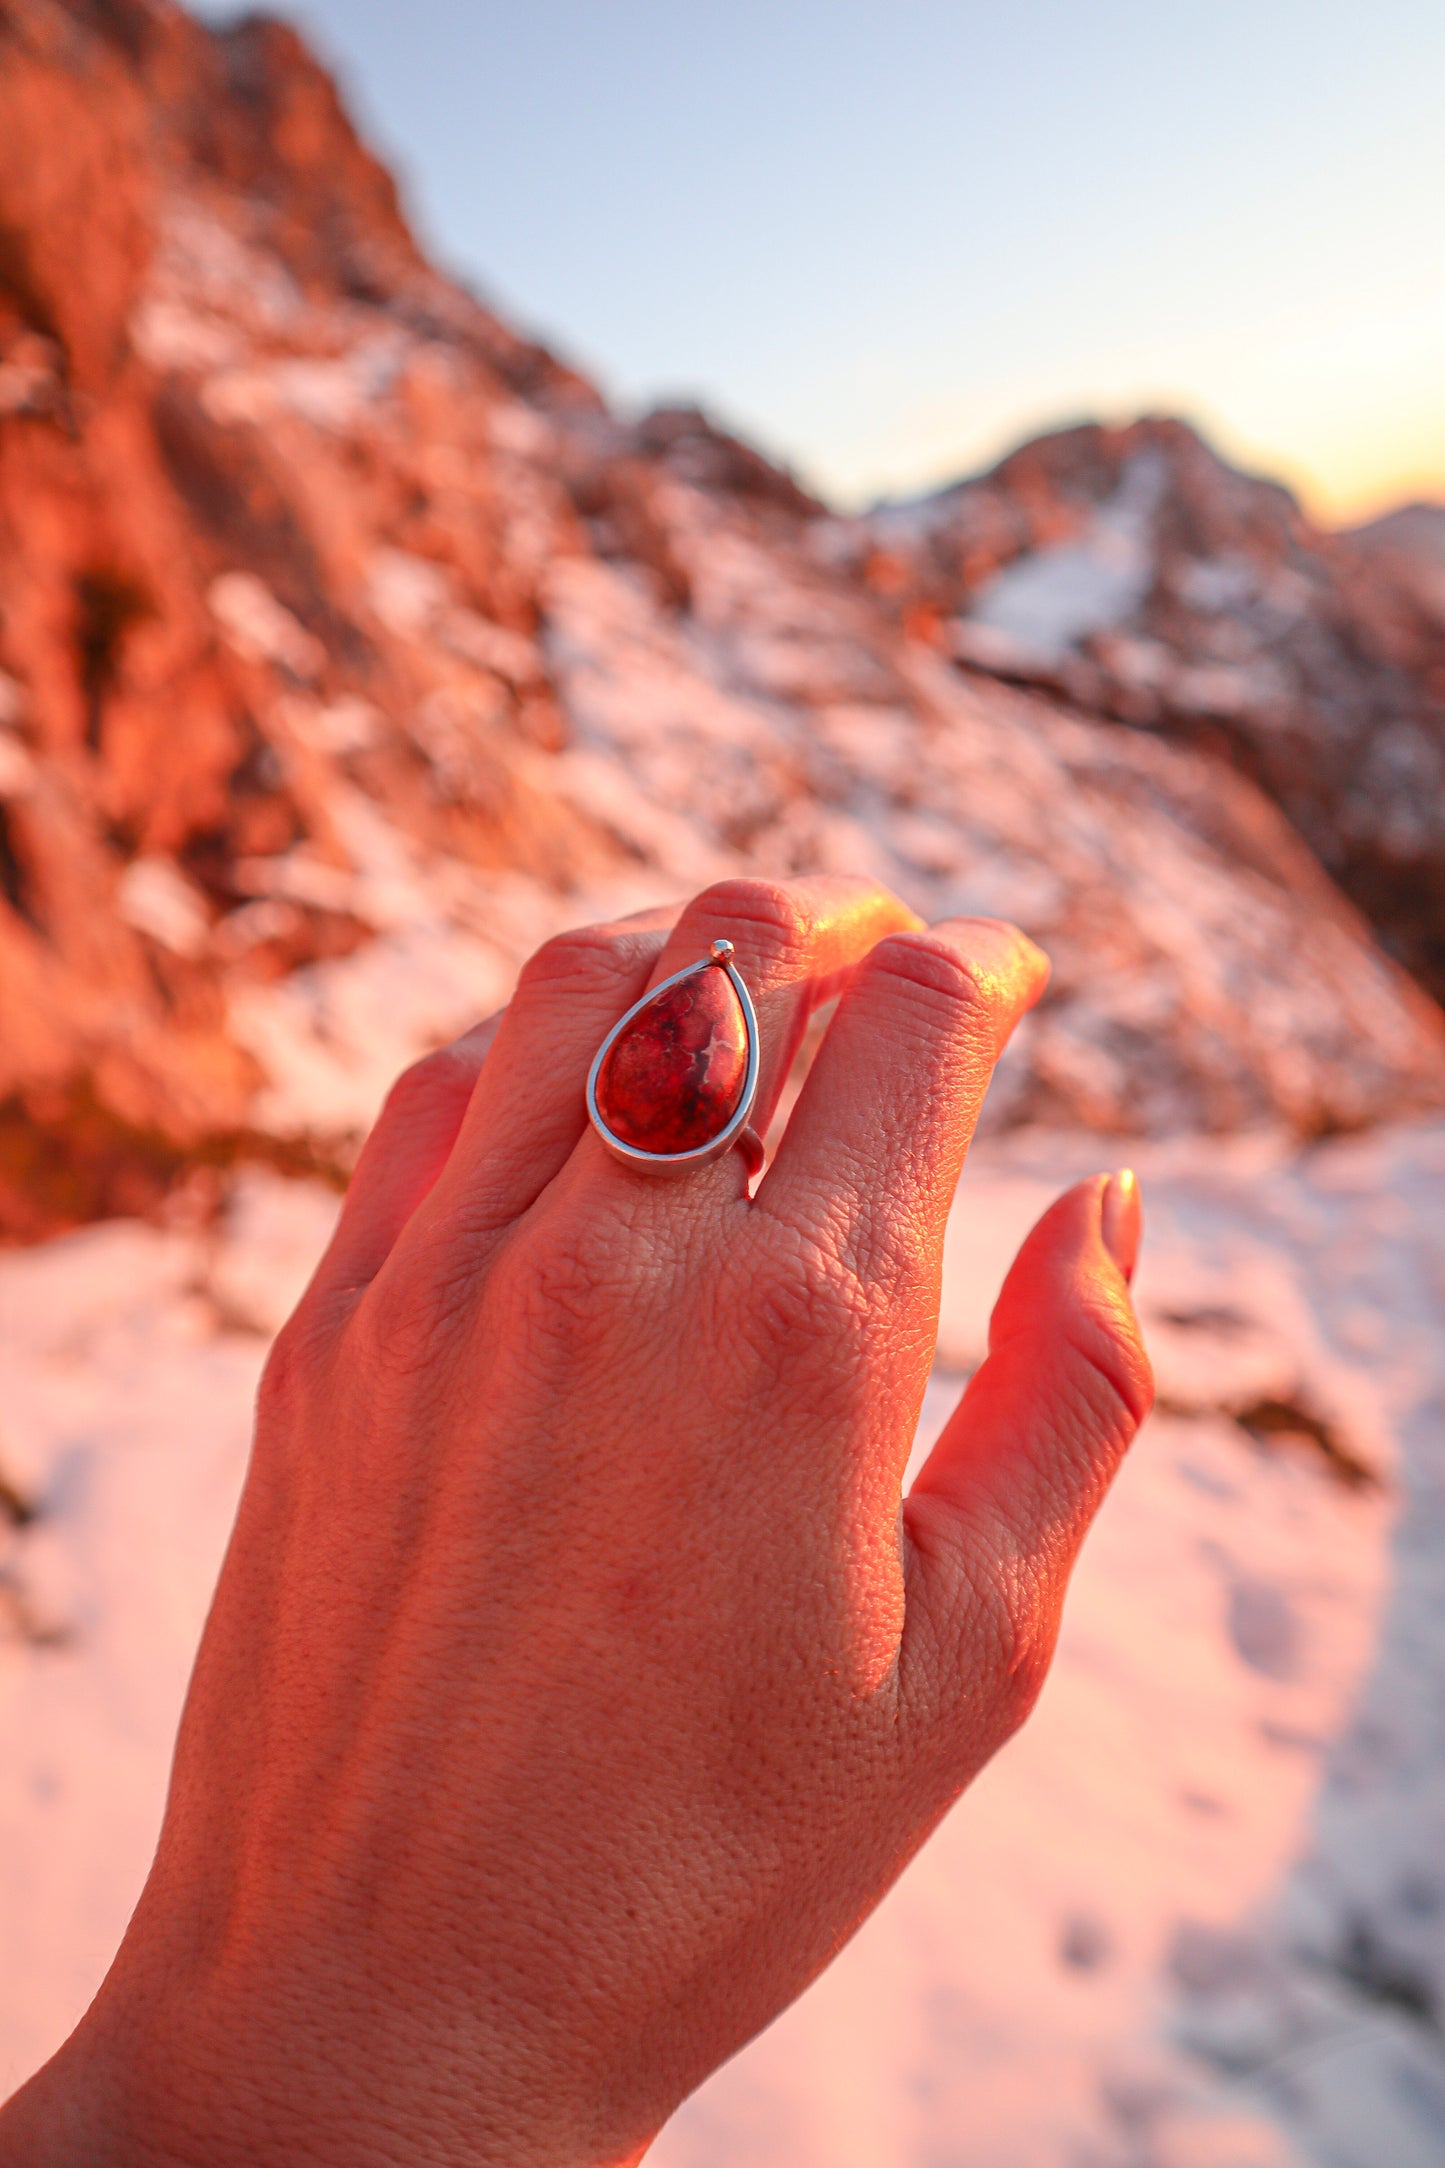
929,973
1128,1385
577,1680
781,923
967,1717
576,964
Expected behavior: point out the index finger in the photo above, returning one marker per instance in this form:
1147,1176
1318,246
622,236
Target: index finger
877,1140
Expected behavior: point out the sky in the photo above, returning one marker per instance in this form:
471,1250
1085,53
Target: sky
887,243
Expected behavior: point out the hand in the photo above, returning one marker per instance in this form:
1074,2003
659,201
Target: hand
574,1687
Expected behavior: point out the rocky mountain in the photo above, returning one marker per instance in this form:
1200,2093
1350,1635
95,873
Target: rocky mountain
1410,543
1134,573
349,644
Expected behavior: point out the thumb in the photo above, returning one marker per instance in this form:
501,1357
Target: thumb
1000,1507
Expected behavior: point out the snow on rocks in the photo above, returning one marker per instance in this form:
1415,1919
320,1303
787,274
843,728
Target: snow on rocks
337,568
1192,987
1135,572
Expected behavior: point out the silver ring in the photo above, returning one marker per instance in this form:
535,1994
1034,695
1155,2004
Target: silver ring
734,1129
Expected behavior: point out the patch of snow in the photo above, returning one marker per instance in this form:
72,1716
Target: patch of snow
130,1421
203,259
1288,594
988,647
331,1037
263,629
28,387
1141,664
345,726
1046,602
1212,585
1256,690
169,333
298,876
407,593
259,1260
494,647
513,427
332,393
155,897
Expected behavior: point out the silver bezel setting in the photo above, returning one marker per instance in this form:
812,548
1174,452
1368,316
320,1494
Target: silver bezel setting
632,1155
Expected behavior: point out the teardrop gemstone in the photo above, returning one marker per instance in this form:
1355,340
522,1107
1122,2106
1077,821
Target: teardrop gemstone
673,1077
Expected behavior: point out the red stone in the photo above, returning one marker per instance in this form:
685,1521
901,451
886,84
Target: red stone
674,1077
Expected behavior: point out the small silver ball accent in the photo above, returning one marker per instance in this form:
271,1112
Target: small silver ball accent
722,952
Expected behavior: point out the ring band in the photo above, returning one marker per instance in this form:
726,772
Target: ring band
754,1151
673,1083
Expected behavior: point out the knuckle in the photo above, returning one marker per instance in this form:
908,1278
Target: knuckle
897,1255
576,1295
928,972
777,917
1024,1631
883,1247
401,1327
806,1296
564,1291
1015,1626
993,1618
436,1079
286,1380
393,1335
1117,1370
580,959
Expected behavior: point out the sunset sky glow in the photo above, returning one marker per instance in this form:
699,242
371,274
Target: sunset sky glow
888,245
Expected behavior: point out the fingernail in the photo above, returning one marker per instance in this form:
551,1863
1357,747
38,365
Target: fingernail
1121,1221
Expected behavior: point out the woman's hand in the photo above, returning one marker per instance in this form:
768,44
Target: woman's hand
574,1686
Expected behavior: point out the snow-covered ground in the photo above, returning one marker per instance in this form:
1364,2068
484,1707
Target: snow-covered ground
1193,1917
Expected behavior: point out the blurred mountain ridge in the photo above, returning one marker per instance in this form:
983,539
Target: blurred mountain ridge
1133,572
349,645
